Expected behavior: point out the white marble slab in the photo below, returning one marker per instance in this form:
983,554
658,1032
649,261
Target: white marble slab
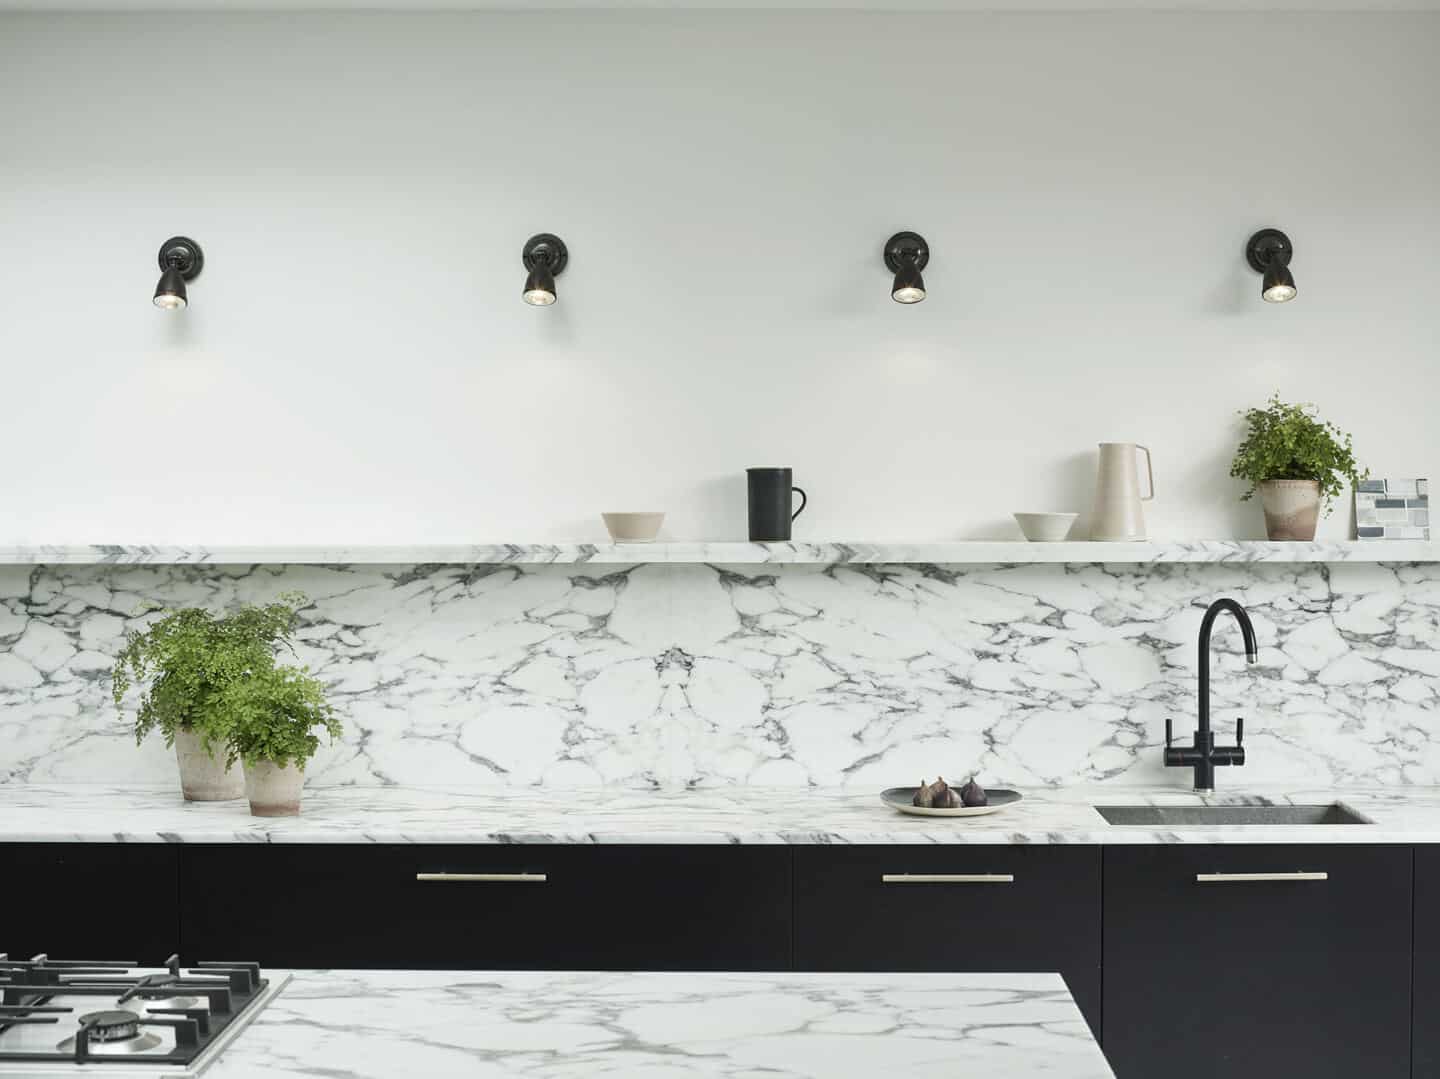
484,1025
748,815
975,552
681,676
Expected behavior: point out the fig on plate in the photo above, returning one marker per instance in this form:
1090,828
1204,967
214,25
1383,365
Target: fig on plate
972,794
947,799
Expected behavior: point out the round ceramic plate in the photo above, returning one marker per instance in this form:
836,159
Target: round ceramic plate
903,799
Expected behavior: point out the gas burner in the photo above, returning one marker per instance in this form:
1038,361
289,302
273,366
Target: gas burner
111,1026
114,1032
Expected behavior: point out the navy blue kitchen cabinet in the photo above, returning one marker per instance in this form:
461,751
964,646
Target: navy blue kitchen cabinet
84,900
953,908
490,907
1255,962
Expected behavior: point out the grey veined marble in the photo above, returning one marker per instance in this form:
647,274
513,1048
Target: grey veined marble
861,676
461,1025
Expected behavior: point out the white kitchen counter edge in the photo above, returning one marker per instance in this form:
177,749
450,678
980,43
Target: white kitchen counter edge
35,813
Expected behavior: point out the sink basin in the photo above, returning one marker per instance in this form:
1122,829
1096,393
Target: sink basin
1202,816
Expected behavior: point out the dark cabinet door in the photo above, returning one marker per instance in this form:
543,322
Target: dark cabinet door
478,907
1252,962
1425,1007
86,900
962,908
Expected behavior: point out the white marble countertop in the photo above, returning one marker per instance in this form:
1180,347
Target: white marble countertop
754,815
438,1024
725,552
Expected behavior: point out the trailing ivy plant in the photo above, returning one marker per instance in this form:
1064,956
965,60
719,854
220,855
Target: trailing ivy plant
187,658
273,715
1290,442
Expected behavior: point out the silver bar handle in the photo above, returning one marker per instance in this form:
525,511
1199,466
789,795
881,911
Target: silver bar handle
947,878
1243,878
494,878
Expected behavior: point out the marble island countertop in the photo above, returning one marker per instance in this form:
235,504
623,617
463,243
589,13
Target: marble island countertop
752,815
344,1024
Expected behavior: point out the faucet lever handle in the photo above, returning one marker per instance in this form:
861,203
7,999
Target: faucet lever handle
1169,733
1239,730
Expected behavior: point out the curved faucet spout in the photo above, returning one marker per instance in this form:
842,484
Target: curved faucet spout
1252,652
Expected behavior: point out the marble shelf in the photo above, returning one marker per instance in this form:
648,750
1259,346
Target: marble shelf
981,552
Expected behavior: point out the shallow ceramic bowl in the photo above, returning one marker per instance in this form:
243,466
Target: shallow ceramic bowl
903,799
633,527
1046,527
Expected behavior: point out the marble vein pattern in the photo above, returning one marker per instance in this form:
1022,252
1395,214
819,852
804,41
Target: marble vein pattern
689,676
40,813
363,1024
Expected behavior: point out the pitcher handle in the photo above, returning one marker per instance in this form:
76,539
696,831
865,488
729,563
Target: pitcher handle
1149,472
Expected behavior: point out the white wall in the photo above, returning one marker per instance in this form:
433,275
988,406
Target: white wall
357,365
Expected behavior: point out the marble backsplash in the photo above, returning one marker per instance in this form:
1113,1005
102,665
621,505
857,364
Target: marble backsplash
854,675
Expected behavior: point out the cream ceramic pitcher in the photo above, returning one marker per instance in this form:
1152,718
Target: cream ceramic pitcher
1118,514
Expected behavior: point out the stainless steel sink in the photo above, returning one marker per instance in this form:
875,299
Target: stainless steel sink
1204,815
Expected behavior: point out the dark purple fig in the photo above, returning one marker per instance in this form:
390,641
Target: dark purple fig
972,794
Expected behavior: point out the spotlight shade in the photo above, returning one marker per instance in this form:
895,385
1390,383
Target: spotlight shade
545,257
170,292
1268,253
1278,286
906,254
909,286
540,288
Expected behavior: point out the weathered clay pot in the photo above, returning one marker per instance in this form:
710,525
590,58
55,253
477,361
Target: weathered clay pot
1292,508
274,791
204,778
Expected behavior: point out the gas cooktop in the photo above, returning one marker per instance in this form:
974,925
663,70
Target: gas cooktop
58,1017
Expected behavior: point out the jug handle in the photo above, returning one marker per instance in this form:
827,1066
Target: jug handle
1149,472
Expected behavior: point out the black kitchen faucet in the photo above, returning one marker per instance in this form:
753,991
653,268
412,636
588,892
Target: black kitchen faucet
1205,754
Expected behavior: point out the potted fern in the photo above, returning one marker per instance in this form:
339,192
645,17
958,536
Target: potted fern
1297,462
186,660
270,722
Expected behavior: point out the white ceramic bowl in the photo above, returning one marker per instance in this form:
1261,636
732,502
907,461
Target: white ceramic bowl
1046,527
633,527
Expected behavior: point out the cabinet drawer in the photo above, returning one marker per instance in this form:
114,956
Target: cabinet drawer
1258,961
473,907
963,908
85,900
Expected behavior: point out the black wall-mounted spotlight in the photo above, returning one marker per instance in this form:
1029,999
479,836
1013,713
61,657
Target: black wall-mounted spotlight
1268,253
545,257
906,254
181,260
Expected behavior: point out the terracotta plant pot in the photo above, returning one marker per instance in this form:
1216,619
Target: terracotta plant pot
1292,508
204,778
274,791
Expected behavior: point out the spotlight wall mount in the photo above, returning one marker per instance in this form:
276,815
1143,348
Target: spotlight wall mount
181,261
1268,252
545,257
906,254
